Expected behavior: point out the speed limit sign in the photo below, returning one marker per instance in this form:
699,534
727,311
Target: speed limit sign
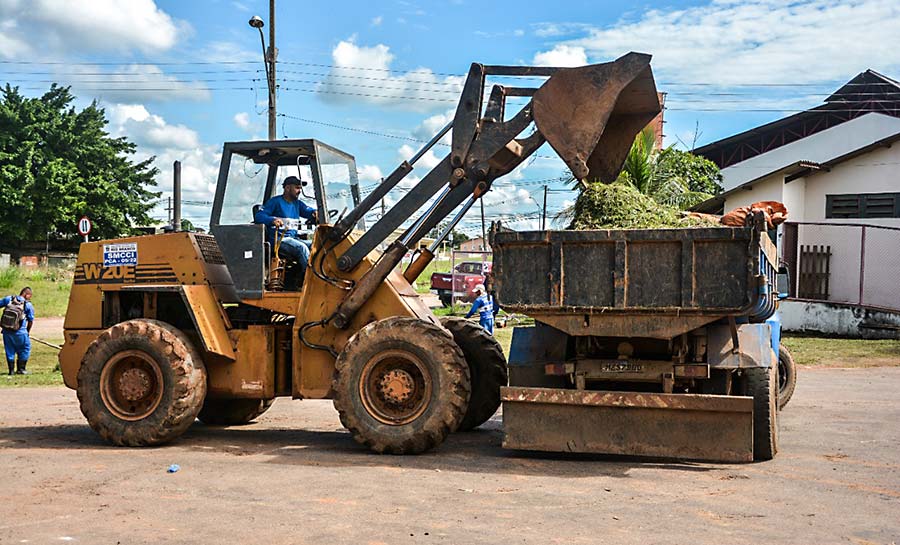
84,227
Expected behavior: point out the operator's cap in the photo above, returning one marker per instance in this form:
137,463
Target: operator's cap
479,288
292,180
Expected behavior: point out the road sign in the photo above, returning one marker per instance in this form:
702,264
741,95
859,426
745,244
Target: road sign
84,227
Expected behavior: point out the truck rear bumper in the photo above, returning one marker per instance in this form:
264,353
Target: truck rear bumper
689,426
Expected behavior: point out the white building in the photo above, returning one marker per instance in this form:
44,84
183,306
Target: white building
837,170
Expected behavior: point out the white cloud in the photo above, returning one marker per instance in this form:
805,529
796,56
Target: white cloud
146,129
758,41
431,125
167,143
45,27
561,55
362,74
376,21
224,51
369,173
427,162
243,121
131,84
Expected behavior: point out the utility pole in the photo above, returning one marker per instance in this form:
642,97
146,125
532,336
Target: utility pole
544,211
483,232
176,193
272,55
269,58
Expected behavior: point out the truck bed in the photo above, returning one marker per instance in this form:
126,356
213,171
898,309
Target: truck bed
713,272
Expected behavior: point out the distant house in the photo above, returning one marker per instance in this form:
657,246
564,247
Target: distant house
836,168
474,245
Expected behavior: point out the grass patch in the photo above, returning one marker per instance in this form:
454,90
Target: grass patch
825,352
50,286
504,337
40,368
423,283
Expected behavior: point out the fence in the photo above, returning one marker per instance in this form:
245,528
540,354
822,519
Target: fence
844,262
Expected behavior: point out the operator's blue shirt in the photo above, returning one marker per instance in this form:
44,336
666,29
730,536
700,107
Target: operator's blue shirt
278,207
484,305
29,310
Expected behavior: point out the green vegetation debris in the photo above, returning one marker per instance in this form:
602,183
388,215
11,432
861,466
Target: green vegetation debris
621,206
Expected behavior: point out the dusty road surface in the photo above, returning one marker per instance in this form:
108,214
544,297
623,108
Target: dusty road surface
297,477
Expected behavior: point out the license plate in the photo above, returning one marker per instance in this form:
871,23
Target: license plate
621,366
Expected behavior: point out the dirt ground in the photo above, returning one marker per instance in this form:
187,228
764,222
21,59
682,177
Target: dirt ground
297,477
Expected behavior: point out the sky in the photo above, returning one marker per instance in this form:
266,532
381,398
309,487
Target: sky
378,78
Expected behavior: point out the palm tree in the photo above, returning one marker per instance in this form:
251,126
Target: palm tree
652,177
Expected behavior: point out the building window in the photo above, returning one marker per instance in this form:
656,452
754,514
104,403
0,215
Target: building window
863,205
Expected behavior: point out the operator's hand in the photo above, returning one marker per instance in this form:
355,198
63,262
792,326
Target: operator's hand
314,218
278,223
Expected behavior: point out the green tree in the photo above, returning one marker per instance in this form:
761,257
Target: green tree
57,164
669,176
458,236
699,173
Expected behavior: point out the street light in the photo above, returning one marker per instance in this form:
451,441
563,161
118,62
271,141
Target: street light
269,62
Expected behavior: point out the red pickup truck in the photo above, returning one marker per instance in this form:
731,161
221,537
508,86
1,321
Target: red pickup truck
462,284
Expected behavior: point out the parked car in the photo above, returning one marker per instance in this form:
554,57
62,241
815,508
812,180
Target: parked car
460,283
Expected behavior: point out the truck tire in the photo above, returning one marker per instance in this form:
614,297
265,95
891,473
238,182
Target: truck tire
141,383
232,412
446,298
787,376
487,369
762,384
401,385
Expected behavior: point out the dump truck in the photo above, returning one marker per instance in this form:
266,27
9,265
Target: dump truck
165,329
649,342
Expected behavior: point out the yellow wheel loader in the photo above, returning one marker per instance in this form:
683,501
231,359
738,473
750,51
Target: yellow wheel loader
164,329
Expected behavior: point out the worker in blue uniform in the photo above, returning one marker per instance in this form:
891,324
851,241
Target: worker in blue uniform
484,306
283,213
17,319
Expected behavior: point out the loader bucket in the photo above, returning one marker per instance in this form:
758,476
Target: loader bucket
590,115
685,426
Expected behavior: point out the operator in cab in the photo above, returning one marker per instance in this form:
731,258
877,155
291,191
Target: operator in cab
283,213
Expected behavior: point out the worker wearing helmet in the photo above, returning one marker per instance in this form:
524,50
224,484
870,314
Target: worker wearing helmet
484,306
283,213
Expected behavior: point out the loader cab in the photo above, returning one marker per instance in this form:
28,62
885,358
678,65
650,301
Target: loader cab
250,173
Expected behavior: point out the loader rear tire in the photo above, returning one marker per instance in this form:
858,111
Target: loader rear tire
141,383
232,412
787,376
762,385
487,369
401,385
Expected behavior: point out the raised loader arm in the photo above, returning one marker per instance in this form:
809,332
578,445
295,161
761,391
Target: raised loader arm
589,115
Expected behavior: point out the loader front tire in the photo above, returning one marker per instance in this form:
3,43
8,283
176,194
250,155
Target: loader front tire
401,385
232,412
141,383
787,376
487,369
762,385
